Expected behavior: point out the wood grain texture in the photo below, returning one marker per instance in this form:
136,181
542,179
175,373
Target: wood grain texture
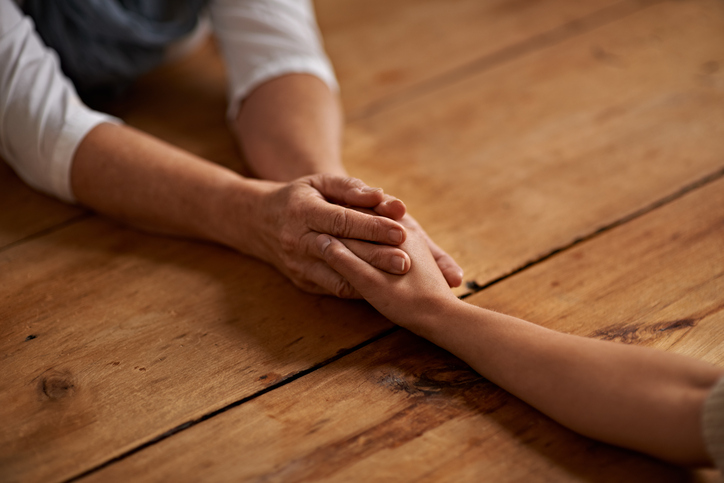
506,166
382,49
403,410
109,338
24,212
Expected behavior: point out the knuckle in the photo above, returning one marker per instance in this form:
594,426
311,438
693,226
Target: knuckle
343,289
377,259
333,256
341,223
288,241
374,227
351,183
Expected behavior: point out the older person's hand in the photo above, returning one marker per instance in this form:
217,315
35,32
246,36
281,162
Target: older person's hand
294,214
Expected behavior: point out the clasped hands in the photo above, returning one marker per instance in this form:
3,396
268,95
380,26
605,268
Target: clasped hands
372,224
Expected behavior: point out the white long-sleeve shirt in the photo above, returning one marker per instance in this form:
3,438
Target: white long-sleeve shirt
42,120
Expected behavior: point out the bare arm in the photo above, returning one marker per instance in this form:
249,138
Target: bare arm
291,126
134,177
647,400
630,396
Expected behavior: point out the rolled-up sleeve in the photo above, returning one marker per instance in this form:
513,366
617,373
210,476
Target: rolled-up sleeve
42,120
263,39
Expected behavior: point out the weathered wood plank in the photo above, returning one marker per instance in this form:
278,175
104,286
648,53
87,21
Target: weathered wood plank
382,48
401,410
97,290
509,165
25,211
109,338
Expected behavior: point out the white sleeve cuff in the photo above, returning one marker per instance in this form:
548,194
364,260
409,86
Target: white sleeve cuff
77,126
263,39
42,120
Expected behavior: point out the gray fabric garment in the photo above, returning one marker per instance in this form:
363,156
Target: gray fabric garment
104,45
713,423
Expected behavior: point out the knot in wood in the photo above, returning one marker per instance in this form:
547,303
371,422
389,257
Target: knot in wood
57,386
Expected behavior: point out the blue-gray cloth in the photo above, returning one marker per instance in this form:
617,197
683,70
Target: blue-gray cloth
104,45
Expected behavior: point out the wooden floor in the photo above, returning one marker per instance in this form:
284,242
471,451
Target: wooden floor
570,155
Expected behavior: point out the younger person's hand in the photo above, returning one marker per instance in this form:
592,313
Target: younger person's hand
411,300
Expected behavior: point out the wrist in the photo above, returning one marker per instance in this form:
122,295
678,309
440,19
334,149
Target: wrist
451,323
241,220
433,317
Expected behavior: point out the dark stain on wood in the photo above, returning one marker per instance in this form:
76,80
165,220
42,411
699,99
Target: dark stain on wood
271,378
635,333
710,67
642,333
56,386
391,76
433,381
294,342
606,57
31,337
473,285
676,325
436,388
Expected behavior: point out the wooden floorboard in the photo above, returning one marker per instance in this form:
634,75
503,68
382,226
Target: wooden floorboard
110,338
26,212
504,167
402,410
382,49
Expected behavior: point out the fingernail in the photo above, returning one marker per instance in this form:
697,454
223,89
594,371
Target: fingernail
369,189
322,243
400,262
395,235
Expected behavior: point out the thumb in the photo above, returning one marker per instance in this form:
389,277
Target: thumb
349,191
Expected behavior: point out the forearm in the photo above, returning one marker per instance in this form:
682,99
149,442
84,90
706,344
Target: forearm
289,127
147,183
634,397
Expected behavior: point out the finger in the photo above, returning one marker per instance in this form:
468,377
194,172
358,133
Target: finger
350,191
358,272
391,208
322,279
343,222
390,259
450,269
384,257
